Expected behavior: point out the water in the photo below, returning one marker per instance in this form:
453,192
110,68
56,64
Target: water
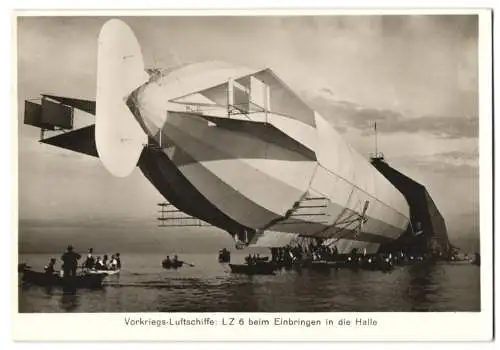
143,286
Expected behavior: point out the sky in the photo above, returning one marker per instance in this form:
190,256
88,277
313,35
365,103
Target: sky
416,76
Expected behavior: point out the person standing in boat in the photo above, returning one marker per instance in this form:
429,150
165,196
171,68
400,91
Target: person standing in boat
98,263
114,263
118,262
176,262
110,262
90,261
167,261
70,262
105,262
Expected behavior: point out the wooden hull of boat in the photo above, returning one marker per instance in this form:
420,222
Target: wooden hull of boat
376,266
460,262
103,272
171,265
326,265
258,260
79,281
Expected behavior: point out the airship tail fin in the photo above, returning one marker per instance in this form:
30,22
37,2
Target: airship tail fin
120,70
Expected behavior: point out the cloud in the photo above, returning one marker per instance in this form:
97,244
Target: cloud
348,114
455,170
328,91
459,157
440,126
456,164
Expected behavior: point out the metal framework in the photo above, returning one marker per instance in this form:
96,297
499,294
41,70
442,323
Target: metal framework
170,216
354,219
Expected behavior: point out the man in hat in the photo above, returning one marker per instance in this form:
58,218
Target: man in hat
70,262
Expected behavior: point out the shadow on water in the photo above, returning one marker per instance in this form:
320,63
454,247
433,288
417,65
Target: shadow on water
69,300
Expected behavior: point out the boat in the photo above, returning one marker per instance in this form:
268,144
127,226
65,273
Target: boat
319,265
83,280
102,272
253,269
168,264
460,262
477,259
224,256
257,259
22,266
289,264
378,265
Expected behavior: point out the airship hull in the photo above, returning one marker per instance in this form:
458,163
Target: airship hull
266,171
237,148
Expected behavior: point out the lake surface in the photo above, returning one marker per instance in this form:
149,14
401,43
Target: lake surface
144,286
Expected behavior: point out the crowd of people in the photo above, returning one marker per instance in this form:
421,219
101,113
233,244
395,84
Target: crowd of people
102,263
290,254
70,262
255,258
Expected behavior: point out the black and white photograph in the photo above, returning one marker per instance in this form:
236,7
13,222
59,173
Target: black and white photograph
313,163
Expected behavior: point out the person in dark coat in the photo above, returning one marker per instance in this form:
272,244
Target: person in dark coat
90,261
70,262
118,261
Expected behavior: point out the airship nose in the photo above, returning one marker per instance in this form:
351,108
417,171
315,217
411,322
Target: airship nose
146,104
134,105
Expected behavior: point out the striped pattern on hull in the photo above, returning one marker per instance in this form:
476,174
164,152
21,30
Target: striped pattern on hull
261,192
263,170
173,185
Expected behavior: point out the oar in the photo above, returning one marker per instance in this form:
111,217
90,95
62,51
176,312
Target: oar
192,265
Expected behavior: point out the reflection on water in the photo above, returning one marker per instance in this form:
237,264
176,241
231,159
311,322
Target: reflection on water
145,287
69,301
424,286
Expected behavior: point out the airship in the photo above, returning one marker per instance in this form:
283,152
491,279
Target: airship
235,147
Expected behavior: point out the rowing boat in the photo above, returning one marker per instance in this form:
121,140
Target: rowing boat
171,264
83,280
